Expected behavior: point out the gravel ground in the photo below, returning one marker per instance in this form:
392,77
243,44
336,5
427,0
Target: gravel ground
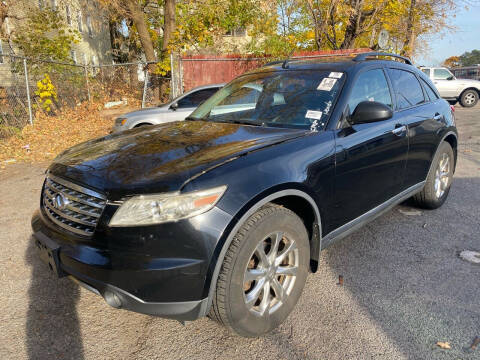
405,288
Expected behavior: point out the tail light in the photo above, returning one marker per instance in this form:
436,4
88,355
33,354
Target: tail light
452,107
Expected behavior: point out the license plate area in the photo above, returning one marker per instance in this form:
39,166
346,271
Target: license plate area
48,252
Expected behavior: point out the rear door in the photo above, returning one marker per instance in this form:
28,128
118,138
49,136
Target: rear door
371,158
446,85
422,111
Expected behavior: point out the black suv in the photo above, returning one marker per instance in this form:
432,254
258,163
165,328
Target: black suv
224,214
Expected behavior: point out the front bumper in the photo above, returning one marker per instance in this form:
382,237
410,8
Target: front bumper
165,280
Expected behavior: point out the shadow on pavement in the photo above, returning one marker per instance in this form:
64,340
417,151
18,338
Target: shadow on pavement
406,272
52,326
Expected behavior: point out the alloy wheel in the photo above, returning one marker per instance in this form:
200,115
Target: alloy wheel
469,98
442,176
270,274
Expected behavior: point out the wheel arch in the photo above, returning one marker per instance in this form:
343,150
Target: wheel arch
141,123
477,90
451,138
292,198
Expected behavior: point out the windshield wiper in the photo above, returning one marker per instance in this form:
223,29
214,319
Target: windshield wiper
245,122
193,118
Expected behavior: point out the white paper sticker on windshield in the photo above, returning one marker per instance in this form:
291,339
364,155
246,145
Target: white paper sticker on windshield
336,75
312,114
327,84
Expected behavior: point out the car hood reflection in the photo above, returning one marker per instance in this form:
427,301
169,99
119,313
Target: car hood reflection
161,158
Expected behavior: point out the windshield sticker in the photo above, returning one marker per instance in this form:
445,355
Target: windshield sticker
327,84
328,106
312,114
336,75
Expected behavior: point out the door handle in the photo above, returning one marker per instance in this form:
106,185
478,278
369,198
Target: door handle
437,117
399,131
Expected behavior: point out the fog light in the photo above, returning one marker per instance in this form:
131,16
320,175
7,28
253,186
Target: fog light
112,299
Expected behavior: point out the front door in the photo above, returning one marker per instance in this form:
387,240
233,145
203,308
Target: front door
370,158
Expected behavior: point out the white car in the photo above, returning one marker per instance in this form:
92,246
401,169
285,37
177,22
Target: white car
176,110
466,91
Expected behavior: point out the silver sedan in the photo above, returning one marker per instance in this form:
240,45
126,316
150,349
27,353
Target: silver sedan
177,109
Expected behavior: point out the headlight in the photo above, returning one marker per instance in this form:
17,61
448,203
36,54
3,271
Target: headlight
160,208
120,121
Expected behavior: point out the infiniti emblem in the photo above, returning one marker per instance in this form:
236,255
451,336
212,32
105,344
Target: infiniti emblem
60,201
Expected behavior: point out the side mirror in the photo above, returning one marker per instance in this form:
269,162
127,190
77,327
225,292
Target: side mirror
174,106
370,111
451,78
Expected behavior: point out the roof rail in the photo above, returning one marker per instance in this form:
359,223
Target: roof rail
364,56
302,57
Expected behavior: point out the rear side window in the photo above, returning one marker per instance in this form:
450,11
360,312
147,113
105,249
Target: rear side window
408,91
430,93
196,98
370,86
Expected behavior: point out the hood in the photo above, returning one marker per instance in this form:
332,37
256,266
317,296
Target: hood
161,158
146,112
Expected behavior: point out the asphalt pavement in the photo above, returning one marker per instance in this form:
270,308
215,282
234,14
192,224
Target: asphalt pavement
404,289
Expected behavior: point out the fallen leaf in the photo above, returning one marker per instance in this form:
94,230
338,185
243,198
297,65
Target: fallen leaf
443,345
340,280
475,343
410,212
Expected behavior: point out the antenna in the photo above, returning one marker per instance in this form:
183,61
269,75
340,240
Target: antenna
285,63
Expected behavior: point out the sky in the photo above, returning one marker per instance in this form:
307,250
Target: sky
465,38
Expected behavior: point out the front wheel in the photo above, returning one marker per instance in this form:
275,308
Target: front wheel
263,273
469,98
439,179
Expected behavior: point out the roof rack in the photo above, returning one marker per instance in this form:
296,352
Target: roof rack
364,56
300,57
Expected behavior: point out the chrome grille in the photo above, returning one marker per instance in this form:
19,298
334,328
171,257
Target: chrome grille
71,206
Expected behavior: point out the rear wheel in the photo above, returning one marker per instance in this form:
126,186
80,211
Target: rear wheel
439,179
263,273
469,98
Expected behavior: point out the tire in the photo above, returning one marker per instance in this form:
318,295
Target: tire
469,98
260,231
437,187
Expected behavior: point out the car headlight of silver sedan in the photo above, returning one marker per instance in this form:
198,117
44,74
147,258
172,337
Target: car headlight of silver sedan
160,208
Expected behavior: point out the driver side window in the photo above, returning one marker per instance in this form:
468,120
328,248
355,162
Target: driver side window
370,86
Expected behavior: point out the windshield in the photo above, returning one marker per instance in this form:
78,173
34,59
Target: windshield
299,99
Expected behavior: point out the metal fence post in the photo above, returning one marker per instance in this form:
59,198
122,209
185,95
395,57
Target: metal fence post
86,79
30,116
180,73
173,90
145,83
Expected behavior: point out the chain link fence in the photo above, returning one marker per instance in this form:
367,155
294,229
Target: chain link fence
28,88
